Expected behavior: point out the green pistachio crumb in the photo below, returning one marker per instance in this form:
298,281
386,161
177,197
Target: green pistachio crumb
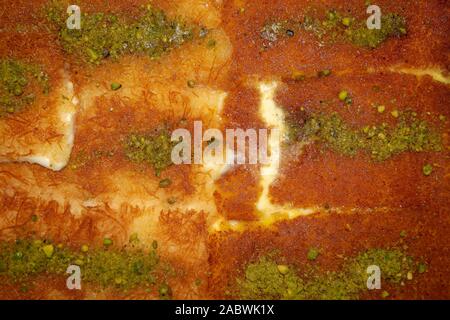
107,242
427,169
134,238
343,95
346,21
48,250
164,292
313,253
422,267
115,86
381,141
154,149
211,43
324,73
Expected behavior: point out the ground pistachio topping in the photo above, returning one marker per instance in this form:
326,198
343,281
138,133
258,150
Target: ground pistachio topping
381,141
107,267
336,27
154,149
20,82
104,35
266,279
